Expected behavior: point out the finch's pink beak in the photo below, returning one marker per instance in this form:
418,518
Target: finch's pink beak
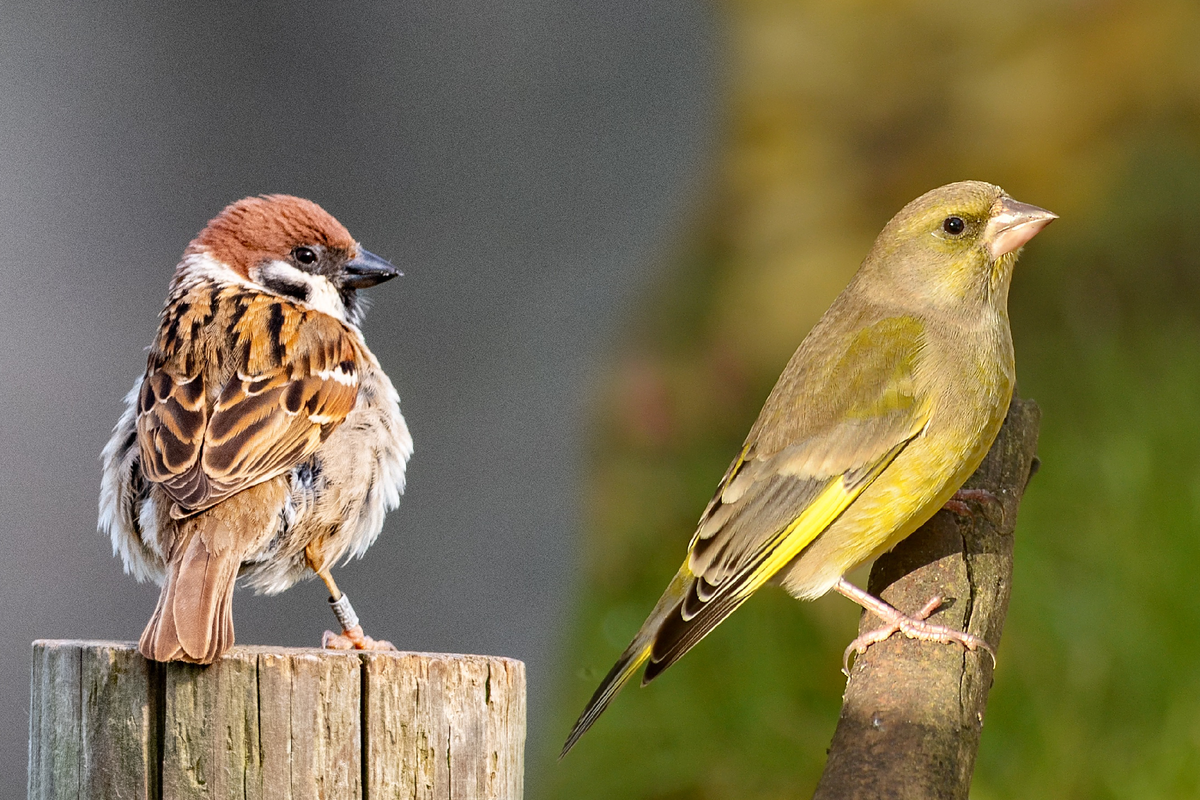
1012,224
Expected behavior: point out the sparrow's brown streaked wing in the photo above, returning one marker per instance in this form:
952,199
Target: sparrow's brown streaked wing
273,412
171,419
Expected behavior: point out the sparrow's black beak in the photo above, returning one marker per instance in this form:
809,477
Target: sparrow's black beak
367,269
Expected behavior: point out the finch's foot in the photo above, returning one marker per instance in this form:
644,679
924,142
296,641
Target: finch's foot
914,627
965,501
353,639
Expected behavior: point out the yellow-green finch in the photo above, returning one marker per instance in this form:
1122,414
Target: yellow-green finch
886,408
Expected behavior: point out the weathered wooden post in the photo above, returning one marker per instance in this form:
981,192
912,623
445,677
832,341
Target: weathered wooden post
269,722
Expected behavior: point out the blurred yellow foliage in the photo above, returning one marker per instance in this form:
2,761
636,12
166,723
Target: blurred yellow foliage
836,115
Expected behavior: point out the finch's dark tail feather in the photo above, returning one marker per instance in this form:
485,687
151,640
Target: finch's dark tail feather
679,633
634,656
622,671
194,617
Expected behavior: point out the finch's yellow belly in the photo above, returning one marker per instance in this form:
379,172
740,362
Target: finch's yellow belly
923,477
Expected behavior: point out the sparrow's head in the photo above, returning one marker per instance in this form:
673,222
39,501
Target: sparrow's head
286,246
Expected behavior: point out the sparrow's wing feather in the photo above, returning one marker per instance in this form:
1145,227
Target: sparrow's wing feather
263,425
296,380
172,417
774,501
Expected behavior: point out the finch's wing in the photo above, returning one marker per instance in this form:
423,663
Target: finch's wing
297,381
775,500
845,409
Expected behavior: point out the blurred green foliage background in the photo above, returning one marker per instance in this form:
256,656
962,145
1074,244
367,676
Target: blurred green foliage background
836,115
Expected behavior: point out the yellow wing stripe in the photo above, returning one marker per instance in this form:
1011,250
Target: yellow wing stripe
816,517
634,663
741,459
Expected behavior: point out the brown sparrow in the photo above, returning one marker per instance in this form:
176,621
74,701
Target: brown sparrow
264,441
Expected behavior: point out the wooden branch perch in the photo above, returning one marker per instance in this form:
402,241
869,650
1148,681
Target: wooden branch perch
273,722
913,711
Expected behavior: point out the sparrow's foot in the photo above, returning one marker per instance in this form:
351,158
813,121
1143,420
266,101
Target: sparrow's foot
895,621
352,636
353,639
965,502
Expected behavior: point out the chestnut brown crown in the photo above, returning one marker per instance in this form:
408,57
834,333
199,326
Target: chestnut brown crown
268,227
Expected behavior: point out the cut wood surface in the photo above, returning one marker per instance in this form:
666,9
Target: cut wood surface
268,722
913,711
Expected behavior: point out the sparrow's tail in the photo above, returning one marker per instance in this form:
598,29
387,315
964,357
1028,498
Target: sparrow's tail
194,618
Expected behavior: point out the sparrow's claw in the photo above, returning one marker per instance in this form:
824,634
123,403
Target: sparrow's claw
353,639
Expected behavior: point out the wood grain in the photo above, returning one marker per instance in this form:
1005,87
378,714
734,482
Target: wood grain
444,726
274,724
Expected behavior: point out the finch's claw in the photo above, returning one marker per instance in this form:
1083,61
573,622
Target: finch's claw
965,502
353,639
914,627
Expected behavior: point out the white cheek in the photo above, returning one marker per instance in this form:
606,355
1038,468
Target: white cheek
197,267
322,296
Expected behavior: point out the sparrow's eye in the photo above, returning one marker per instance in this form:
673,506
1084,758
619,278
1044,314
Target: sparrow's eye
304,255
953,225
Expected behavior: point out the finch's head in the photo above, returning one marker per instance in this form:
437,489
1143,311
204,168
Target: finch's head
286,246
955,244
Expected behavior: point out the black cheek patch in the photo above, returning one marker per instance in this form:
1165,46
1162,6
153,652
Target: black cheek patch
297,290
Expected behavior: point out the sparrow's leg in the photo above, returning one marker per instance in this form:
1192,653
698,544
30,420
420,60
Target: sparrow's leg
914,627
352,636
961,503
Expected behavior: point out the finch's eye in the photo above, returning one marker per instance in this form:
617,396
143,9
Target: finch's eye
953,225
304,255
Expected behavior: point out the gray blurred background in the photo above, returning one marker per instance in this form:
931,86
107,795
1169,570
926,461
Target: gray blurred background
524,162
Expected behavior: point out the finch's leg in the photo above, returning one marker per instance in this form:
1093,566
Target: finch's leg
914,627
961,503
352,636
